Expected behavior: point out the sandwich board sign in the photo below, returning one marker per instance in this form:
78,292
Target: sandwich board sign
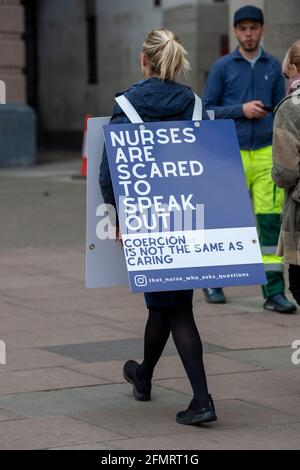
184,209
105,262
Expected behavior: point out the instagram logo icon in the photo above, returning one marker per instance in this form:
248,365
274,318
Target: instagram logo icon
140,281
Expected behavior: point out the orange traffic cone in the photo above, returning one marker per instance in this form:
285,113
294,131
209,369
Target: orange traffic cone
83,172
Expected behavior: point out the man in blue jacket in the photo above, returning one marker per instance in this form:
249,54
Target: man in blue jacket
246,85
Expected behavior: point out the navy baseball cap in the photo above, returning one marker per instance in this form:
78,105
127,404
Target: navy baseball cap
249,12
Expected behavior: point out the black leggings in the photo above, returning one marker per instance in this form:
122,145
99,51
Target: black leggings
294,278
179,321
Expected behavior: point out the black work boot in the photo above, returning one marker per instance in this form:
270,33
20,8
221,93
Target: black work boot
214,296
141,388
279,303
198,413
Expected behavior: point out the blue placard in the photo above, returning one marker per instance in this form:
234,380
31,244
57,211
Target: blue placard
184,209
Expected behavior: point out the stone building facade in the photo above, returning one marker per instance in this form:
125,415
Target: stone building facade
77,53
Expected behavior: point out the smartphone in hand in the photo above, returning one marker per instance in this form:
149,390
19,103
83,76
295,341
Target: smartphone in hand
267,108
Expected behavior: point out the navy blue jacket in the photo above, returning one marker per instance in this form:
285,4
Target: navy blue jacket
154,100
232,82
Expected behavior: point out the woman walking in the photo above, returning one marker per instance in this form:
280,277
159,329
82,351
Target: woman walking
158,97
286,170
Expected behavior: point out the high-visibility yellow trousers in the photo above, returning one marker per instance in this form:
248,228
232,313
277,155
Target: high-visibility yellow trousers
268,202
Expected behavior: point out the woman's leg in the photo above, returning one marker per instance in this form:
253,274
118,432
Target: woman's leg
157,332
188,343
294,278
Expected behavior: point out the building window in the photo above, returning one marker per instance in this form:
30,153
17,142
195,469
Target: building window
157,3
92,56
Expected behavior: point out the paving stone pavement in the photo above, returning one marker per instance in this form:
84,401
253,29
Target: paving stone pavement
62,386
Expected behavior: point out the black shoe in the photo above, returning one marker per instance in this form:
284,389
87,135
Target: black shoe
197,413
214,296
279,303
141,388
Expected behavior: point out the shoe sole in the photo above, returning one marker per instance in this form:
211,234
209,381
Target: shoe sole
139,396
210,301
216,302
286,312
197,420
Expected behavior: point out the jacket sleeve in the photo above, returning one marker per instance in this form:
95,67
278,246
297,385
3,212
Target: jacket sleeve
105,181
104,175
286,148
213,96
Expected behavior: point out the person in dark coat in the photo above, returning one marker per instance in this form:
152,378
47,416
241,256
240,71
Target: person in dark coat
286,167
158,97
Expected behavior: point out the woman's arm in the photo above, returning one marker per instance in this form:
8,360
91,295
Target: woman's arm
105,181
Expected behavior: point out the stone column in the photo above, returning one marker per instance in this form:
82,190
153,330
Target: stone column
282,21
283,25
202,26
17,120
12,50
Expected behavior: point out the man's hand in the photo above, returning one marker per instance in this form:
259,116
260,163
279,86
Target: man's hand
254,110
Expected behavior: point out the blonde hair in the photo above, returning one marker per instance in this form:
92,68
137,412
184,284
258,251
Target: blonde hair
292,58
165,54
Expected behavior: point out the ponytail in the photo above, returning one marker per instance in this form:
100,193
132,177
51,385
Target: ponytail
165,54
